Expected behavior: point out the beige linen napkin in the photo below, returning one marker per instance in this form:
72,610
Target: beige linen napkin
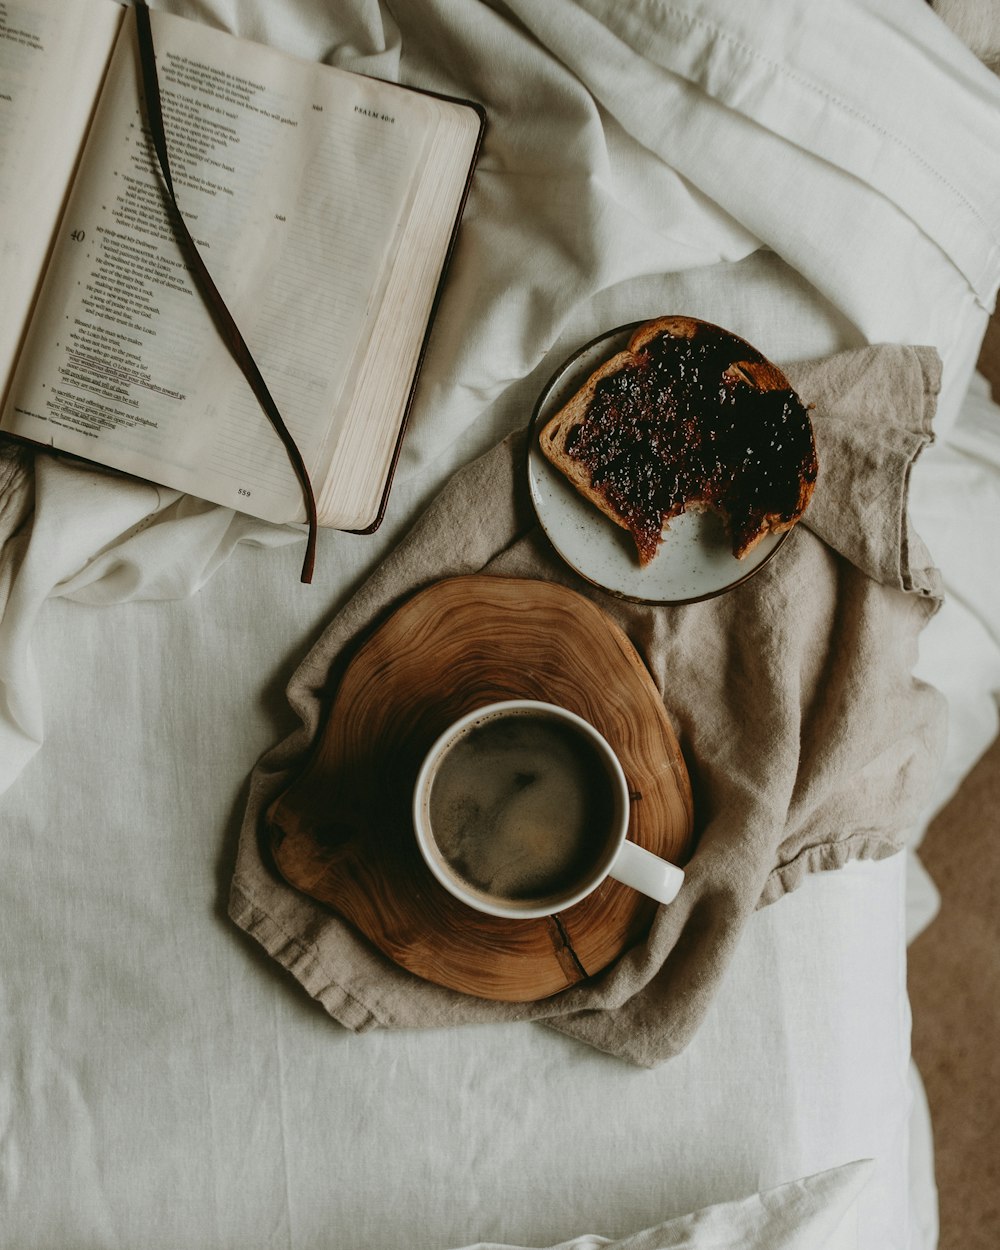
808,741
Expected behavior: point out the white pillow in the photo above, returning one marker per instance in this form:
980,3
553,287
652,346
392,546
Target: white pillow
816,1213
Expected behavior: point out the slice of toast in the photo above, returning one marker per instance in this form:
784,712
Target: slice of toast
688,416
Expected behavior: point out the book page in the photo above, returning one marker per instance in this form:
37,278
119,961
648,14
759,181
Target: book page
294,179
53,57
361,456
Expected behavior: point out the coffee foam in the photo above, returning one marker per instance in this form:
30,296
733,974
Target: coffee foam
521,806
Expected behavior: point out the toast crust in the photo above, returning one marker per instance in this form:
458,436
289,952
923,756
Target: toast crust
688,416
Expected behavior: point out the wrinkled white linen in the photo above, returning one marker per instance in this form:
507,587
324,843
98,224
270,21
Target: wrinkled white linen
160,1084
814,1213
101,539
956,497
758,168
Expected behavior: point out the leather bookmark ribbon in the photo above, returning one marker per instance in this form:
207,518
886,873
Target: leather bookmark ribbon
210,293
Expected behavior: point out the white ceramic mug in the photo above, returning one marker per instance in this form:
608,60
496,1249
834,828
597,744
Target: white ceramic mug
493,751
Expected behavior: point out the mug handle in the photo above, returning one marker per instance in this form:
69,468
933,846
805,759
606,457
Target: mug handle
646,872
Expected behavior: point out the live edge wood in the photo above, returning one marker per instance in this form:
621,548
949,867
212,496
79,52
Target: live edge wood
342,831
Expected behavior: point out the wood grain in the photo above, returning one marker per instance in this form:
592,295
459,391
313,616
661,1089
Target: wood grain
342,831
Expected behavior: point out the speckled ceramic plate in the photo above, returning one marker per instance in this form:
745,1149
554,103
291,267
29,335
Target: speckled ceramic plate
694,561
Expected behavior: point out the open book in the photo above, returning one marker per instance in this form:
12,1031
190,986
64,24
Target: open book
323,203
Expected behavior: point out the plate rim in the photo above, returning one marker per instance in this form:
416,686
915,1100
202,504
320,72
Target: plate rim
533,449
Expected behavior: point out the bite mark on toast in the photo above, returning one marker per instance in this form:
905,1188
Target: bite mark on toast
688,416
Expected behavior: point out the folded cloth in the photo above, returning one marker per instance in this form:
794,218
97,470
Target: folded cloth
813,1213
808,740
81,532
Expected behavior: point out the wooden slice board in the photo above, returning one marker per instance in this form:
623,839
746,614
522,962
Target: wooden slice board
342,831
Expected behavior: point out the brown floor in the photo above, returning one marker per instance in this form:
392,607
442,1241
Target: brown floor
954,983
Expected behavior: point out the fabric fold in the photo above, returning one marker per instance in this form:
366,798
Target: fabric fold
880,540
905,154
79,532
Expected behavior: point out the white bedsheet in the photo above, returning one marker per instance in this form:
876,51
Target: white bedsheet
160,1082
165,1086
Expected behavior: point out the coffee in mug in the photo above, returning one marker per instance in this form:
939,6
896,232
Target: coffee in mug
521,808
